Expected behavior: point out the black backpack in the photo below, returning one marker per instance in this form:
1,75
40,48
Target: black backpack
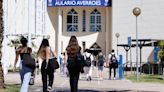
80,59
87,61
100,60
80,62
113,58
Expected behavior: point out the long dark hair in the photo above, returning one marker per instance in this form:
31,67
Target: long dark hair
73,47
23,41
42,52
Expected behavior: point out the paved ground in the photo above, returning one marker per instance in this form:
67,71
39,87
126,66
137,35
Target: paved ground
61,84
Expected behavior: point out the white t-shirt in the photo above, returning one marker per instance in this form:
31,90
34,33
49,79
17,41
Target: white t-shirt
86,54
109,56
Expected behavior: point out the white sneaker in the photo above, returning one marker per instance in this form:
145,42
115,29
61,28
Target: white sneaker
114,78
49,88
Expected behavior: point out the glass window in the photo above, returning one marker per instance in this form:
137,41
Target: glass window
84,21
95,21
72,21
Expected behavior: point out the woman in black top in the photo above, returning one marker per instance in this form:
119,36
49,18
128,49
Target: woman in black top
73,69
25,72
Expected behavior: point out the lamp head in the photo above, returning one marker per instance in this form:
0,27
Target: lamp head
136,11
117,35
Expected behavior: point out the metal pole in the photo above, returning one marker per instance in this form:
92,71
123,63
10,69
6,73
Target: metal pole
140,60
126,65
117,46
130,59
137,48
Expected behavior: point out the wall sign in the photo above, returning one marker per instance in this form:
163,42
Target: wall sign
105,3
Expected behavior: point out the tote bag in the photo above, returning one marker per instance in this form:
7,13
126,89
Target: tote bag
28,61
54,61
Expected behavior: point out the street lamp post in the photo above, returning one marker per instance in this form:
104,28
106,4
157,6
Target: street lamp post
137,12
117,36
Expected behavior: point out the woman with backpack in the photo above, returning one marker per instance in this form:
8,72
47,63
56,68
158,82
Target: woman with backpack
100,64
72,50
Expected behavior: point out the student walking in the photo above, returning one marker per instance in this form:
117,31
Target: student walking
61,60
100,64
113,64
25,72
73,67
46,53
88,57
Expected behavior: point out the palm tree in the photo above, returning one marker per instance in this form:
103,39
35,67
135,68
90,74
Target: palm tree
1,39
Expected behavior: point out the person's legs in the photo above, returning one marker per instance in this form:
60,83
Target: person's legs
90,73
86,71
44,76
75,82
50,72
51,77
101,72
21,72
21,75
110,71
98,72
44,80
25,83
71,80
114,68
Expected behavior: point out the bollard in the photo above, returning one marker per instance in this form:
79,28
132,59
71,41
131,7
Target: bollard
120,67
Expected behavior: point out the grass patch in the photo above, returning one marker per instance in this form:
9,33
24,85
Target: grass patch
147,78
11,88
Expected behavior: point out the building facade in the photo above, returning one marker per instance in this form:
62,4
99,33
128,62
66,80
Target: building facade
90,25
115,18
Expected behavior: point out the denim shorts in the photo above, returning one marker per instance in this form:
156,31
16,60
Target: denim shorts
100,68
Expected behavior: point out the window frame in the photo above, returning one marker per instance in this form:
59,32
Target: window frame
72,26
95,21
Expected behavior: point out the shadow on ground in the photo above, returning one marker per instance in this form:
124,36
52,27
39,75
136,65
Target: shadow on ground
83,90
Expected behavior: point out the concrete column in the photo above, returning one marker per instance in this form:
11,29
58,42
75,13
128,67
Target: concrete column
107,32
28,23
59,31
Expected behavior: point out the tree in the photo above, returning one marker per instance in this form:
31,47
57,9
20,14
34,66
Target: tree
161,55
161,52
1,39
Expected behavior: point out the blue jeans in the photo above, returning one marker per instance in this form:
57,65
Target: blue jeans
25,74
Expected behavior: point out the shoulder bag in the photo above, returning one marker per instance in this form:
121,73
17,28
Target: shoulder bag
55,64
28,61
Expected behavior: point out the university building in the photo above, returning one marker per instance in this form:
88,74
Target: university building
89,20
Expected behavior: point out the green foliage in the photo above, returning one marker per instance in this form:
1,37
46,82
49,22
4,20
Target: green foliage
161,52
147,78
11,88
161,45
15,43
